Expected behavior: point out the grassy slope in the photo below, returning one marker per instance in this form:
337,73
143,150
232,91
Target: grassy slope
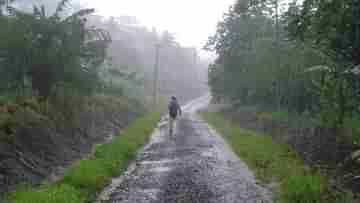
86,177
274,162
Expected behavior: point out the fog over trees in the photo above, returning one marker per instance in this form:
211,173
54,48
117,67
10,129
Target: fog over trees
303,59
69,78
81,93
133,50
130,59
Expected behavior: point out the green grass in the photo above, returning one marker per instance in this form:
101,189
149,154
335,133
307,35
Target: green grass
273,162
86,177
294,120
280,116
58,193
354,125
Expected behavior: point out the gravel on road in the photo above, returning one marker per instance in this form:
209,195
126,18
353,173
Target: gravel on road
195,165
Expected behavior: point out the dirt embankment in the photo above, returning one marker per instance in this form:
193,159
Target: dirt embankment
35,143
325,149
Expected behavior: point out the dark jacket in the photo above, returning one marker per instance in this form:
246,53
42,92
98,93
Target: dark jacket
174,108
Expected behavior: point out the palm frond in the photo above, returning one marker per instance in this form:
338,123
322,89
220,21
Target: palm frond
354,70
4,4
320,68
61,7
43,12
79,14
15,12
36,11
132,76
99,35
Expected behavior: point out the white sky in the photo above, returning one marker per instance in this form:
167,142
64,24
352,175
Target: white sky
193,21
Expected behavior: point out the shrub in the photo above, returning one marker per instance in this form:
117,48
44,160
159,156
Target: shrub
49,194
88,174
303,189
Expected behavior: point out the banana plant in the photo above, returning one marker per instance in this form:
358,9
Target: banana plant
51,50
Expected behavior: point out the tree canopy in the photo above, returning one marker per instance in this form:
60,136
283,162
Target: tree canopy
45,52
303,59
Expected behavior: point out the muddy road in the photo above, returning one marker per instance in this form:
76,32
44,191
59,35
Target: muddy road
193,166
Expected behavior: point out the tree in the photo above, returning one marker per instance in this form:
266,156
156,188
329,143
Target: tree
250,41
332,28
50,51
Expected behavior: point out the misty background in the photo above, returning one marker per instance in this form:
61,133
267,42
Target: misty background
137,27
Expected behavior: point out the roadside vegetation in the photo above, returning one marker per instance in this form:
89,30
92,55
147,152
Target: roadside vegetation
70,77
298,61
54,91
85,178
277,163
300,57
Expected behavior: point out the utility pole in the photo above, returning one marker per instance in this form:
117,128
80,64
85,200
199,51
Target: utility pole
277,42
277,20
156,73
195,65
195,57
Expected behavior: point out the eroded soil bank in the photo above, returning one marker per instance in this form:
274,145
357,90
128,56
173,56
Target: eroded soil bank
40,143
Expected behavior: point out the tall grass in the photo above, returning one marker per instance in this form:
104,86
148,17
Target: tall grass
353,124
57,193
292,119
273,162
83,179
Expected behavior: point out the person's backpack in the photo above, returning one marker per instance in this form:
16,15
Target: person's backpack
173,109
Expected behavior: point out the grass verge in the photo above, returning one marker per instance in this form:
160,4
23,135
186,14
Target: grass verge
274,162
85,178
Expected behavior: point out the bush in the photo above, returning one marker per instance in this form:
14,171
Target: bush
8,123
272,161
86,177
354,126
62,193
89,174
303,189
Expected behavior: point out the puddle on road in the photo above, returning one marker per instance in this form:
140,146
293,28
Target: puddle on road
208,154
156,138
162,169
160,166
151,193
188,166
161,162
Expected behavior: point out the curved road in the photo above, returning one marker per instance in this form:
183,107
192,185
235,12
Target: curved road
194,166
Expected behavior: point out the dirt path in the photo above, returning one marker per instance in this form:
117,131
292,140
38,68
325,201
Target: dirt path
194,166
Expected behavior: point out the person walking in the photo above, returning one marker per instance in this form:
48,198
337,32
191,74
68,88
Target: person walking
174,111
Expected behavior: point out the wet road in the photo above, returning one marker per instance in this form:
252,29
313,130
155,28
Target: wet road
193,166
